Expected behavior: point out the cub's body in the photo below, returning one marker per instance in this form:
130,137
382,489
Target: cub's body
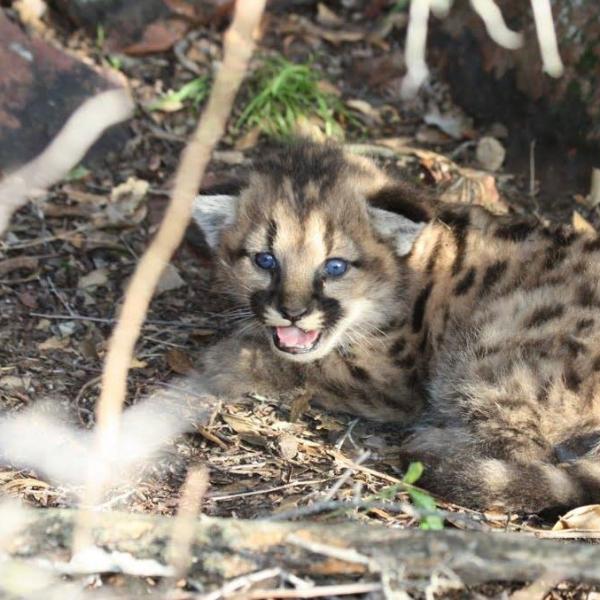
480,332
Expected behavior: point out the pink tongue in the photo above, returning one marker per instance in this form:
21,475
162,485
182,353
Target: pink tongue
294,337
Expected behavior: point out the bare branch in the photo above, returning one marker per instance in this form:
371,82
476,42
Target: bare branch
238,47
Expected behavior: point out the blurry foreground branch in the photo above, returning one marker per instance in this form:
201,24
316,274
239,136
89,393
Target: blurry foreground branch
224,549
238,47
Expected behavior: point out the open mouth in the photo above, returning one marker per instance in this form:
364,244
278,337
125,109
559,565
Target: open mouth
294,340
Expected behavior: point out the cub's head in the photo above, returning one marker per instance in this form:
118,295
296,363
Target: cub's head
307,262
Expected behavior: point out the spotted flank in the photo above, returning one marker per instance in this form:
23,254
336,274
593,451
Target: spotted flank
479,332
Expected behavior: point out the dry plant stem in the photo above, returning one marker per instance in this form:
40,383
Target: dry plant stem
238,47
495,26
69,146
544,26
194,489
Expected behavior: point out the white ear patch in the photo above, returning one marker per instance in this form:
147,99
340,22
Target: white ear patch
403,231
212,214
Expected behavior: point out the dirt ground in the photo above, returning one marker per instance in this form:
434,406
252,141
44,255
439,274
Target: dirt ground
64,266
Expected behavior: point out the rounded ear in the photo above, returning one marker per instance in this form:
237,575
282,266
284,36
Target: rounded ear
403,199
402,231
213,214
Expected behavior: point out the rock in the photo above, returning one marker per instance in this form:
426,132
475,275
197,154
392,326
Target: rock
490,153
40,87
142,27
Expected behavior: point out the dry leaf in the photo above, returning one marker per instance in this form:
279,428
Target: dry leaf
93,279
54,343
136,363
18,262
15,382
584,518
365,108
325,16
288,446
581,224
179,361
248,140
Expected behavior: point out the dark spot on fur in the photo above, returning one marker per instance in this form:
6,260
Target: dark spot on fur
583,324
596,363
358,372
398,346
434,255
493,274
586,295
572,379
329,235
271,234
419,308
332,310
592,245
406,362
560,235
575,347
258,301
466,283
554,256
543,314
413,379
424,340
235,254
459,224
543,392
516,231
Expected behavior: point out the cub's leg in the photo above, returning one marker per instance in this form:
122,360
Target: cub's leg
234,367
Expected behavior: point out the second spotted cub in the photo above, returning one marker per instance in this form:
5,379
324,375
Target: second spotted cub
481,332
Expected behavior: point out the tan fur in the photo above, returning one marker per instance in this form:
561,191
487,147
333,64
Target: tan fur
485,338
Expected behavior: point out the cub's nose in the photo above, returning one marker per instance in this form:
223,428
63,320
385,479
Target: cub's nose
293,313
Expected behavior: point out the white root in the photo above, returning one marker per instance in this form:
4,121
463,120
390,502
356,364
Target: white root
416,42
544,26
416,37
495,26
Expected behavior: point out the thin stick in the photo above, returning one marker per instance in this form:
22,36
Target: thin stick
194,489
318,591
238,47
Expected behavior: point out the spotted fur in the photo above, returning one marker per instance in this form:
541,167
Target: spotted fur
484,337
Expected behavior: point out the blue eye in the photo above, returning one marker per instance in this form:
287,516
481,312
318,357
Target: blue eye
335,267
265,260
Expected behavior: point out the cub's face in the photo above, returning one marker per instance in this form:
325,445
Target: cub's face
303,261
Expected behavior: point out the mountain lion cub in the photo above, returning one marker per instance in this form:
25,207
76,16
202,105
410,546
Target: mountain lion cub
481,332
